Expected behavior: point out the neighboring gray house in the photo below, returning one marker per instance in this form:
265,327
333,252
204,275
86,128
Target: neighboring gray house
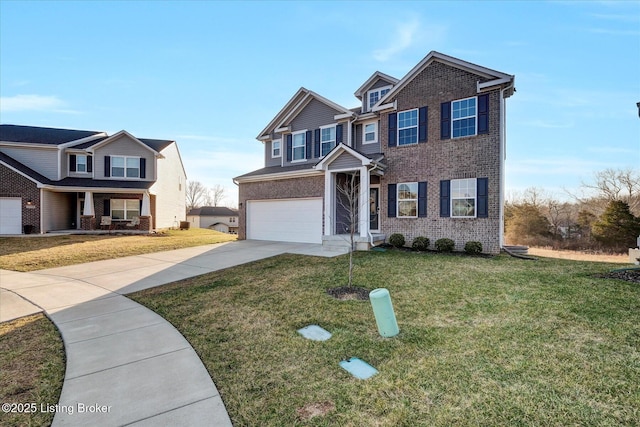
428,149
61,179
216,218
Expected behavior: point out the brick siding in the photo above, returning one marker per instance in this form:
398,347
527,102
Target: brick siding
436,160
13,184
276,189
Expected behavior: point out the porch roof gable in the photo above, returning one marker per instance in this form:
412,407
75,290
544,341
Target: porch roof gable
338,150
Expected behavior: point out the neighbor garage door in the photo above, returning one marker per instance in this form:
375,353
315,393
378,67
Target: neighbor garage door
286,220
10,215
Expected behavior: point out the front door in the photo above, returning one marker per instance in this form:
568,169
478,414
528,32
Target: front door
374,209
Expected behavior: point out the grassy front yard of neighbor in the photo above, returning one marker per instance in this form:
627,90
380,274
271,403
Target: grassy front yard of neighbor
483,341
31,369
37,253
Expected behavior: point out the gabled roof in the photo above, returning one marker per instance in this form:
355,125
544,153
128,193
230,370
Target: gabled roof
371,80
41,135
366,160
293,107
213,211
497,76
127,134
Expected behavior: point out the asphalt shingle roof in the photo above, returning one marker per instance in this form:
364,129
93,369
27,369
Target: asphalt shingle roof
40,135
213,211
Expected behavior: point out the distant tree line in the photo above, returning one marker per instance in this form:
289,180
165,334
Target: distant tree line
605,216
198,195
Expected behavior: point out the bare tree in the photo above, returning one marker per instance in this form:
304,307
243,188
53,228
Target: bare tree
611,185
197,195
217,195
348,200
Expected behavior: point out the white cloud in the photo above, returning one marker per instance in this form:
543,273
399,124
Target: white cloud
33,103
408,34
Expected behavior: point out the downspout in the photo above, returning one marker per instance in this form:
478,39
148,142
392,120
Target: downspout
503,157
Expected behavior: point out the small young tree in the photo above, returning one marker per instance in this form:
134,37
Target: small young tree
348,200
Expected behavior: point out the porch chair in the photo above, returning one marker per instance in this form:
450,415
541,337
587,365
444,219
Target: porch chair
105,221
134,222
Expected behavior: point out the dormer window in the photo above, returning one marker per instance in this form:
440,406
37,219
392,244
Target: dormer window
80,163
275,148
374,95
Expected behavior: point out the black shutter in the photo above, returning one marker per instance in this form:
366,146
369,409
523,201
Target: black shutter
89,163
422,124
143,167
422,199
107,207
393,126
316,142
107,166
445,120
140,207
444,198
309,144
482,210
289,146
483,113
338,134
391,200
72,163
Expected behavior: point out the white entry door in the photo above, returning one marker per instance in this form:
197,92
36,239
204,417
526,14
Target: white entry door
285,220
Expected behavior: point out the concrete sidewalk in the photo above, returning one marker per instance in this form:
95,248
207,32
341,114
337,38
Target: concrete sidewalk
126,365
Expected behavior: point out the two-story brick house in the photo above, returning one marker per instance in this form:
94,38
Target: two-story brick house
62,179
428,150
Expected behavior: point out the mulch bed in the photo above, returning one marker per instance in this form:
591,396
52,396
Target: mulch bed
632,276
345,293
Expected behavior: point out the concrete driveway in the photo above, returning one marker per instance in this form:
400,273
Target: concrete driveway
123,360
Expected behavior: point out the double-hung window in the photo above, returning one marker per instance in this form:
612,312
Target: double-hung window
463,198
407,200
370,133
408,127
124,209
375,95
275,148
299,146
463,117
122,166
81,163
327,139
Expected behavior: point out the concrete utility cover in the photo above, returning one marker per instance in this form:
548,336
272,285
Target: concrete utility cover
315,333
358,368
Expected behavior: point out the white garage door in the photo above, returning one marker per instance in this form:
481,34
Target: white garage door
10,215
287,220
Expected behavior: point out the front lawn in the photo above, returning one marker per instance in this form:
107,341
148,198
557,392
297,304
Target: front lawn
36,253
483,341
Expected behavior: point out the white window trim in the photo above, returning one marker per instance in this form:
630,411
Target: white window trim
475,117
125,167
273,155
293,138
126,218
335,138
364,133
475,198
416,126
405,200
86,161
379,90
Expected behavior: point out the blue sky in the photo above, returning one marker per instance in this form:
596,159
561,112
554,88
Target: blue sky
211,75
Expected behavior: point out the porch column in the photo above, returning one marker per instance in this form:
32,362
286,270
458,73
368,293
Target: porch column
88,204
88,217
363,207
328,202
146,205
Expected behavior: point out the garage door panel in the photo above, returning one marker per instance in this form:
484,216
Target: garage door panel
10,215
287,220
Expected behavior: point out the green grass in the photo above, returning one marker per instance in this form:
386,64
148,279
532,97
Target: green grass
31,368
36,253
483,341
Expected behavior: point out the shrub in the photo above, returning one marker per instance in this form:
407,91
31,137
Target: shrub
473,248
420,243
396,240
445,245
